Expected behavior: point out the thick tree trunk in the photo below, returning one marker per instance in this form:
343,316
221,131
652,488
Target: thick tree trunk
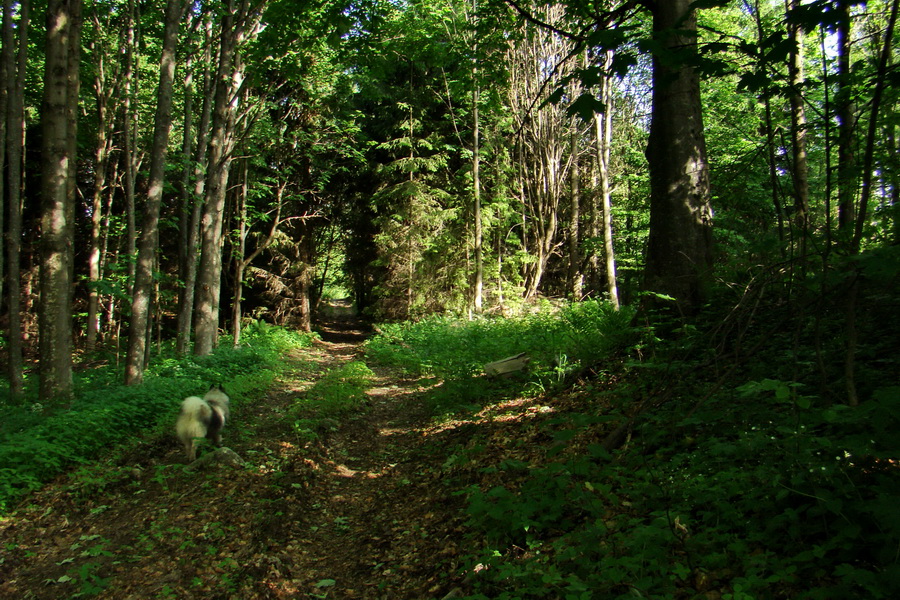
55,315
220,144
679,252
143,282
15,137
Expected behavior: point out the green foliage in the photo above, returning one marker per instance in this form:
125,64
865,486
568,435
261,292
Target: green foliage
456,350
765,492
38,446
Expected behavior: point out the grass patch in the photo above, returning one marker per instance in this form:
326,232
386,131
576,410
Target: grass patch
339,392
561,344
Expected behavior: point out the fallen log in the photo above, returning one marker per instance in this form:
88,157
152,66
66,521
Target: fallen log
507,366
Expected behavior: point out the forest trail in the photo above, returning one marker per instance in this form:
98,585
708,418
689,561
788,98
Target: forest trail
361,513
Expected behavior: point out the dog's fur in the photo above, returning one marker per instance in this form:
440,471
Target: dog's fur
202,417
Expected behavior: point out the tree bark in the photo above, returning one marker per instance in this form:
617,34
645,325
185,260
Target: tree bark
104,91
800,166
220,154
576,280
143,282
55,315
186,299
603,136
15,138
846,114
679,251
128,149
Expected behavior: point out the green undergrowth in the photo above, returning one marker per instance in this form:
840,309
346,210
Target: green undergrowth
453,351
762,484
40,442
340,391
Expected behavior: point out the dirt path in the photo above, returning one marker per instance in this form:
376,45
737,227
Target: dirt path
362,513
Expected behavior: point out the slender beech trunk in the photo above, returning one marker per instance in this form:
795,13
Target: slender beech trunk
800,166
55,315
128,149
679,249
846,114
603,137
6,67
476,192
576,279
186,301
220,144
476,173
15,137
241,261
775,188
149,241
104,91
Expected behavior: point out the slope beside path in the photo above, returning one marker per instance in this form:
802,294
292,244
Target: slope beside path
362,512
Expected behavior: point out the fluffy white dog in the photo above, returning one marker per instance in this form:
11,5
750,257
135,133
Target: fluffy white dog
202,417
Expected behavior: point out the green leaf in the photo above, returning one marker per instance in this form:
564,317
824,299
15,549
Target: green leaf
326,583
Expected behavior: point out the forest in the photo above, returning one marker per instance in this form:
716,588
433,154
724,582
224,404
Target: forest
679,219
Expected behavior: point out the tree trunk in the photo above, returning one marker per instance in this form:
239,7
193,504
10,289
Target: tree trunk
846,114
603,135
771,148
241,261
104,90
54,319
143,282
220,144
128,150
679,251
800,167
476,209
6,67
575,276
15,138
186,300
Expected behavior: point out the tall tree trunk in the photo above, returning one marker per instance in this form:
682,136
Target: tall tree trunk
679,250
603,136
241,260
143,282
846,114
221,140
800,166
54,319
104,90
128,147
771,148
15,136
6,67
576,279
476,192
476,172
186,300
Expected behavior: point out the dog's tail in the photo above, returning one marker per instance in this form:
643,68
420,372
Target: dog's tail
192,422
